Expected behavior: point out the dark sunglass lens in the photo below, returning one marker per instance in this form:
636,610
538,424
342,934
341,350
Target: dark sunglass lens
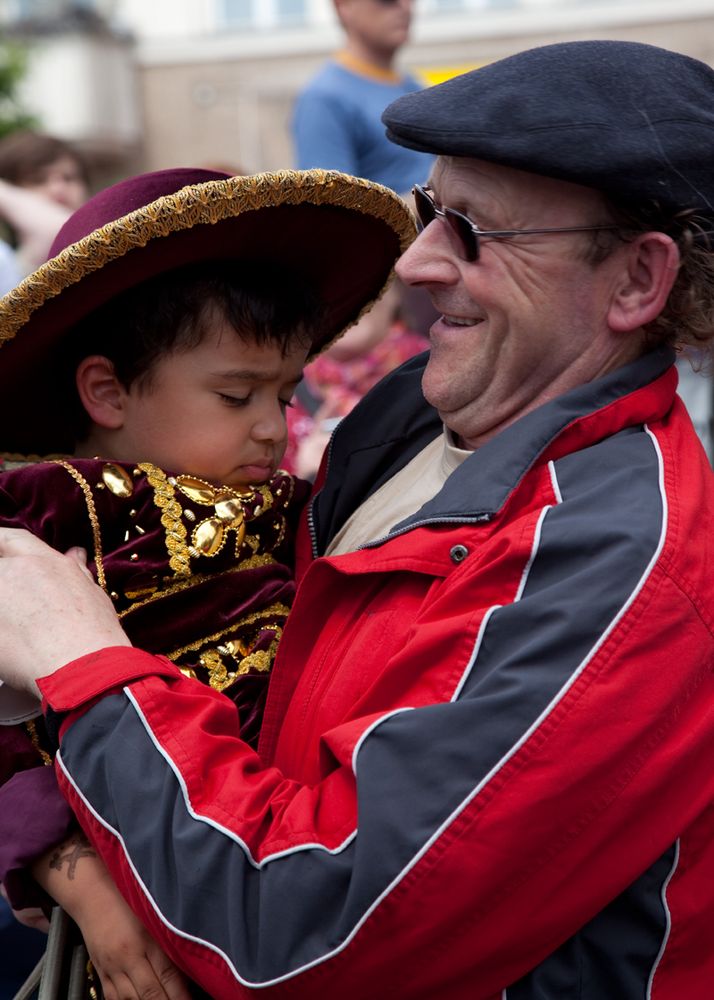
466,239
424,206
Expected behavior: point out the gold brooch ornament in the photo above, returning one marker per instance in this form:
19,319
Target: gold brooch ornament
210,535
117,480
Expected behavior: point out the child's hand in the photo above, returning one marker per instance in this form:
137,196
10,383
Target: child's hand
129,963
125,957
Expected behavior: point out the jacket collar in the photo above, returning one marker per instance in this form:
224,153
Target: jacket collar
393,423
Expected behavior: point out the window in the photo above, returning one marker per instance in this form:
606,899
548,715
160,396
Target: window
236,13
291,11
263,14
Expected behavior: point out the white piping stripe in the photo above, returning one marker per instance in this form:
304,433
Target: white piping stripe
184,934
534,552
368,731
476,650
469,798
668,922
115,833
554,482
218,826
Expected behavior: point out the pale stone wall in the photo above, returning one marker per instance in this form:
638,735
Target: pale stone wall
218,108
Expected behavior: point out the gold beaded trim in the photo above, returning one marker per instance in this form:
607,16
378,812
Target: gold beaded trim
93,520
175,529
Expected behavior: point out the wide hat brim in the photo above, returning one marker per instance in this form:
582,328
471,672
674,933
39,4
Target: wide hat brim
341,233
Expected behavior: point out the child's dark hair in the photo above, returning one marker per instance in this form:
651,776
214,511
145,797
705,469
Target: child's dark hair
263,303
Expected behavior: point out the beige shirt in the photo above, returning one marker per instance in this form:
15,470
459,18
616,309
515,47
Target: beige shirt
401,495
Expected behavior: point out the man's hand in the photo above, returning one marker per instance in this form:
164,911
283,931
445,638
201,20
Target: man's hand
51,611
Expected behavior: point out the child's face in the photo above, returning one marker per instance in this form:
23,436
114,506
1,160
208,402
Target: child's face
216,410
61,181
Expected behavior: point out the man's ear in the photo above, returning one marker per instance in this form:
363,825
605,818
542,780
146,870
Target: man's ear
100,391
652,263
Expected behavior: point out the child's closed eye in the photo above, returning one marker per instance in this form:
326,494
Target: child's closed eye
233,400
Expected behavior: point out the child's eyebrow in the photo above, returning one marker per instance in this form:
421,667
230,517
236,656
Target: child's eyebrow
250,375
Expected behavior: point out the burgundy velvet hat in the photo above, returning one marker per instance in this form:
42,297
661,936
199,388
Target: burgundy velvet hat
341,233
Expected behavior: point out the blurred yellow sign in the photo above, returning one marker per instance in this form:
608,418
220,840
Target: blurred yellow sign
431,75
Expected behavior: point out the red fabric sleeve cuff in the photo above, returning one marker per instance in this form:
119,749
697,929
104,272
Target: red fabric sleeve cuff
98,673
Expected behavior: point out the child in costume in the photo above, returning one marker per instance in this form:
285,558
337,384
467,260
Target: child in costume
166,335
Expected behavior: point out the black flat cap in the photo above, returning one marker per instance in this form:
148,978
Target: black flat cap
632,120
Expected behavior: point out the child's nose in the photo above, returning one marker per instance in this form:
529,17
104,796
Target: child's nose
271,425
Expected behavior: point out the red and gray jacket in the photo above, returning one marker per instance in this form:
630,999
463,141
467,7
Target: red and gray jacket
486,763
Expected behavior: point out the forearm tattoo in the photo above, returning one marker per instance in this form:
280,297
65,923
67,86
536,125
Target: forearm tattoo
70,851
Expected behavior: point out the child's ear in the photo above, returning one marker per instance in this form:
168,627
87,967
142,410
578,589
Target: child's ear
100,391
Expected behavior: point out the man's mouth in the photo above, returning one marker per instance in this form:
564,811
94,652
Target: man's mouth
461,320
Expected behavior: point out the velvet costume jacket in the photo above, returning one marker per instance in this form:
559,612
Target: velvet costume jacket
200,574
485,764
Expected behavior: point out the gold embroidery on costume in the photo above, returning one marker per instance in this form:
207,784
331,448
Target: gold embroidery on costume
273,610
31,729
165,500
239,647
211,534
231,508
220,678
93,520
186,583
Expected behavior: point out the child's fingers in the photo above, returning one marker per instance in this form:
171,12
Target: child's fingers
142,981
171,979
158,979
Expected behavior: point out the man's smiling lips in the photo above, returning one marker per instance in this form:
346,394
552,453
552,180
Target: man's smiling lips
448,322
461,320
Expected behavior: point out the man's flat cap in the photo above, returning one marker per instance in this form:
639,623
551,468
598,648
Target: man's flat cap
632,120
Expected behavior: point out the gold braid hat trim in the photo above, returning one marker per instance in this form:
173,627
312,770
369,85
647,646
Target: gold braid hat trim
198,204
93,520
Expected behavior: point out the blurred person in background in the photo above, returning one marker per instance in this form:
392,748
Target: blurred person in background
337,119
695,388
338,378
9,271
42,181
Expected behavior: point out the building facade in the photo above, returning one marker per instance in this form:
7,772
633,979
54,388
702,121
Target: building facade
212,82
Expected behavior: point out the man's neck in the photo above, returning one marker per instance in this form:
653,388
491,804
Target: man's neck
370,57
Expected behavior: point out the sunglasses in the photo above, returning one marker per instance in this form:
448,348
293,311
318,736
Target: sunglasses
465,234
